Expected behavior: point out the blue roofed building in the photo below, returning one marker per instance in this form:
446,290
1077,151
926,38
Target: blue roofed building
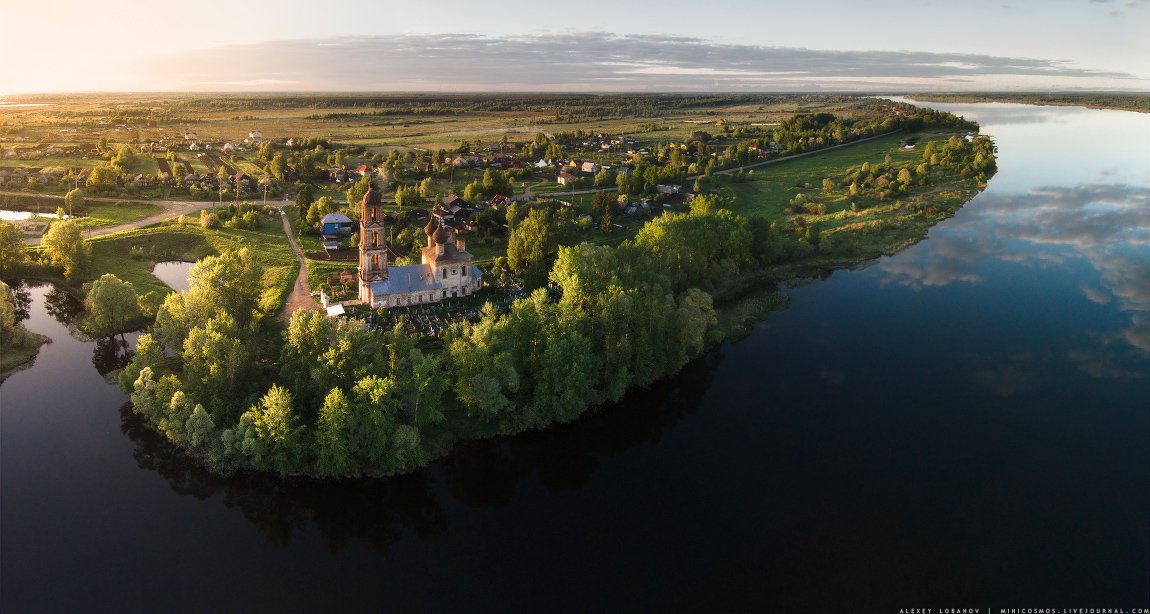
336,228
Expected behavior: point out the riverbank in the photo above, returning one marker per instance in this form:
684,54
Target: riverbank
12,359
1138,103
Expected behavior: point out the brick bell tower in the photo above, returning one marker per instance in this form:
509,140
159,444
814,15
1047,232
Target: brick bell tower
372,247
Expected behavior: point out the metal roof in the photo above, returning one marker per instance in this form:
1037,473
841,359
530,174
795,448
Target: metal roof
409,278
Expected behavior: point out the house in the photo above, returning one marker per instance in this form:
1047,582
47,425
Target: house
499,200
566,178
451,200
365,170
189,135
455,207
290,142
465,162
442,215
542,163
255,136
335,227
228,148
589,167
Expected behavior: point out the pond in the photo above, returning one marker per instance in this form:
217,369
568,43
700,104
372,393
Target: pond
963,424
174,274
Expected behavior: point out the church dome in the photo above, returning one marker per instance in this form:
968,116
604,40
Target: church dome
429,230
441,236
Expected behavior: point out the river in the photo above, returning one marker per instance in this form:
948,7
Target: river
965,424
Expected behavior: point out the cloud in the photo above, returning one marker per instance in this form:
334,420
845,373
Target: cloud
587,61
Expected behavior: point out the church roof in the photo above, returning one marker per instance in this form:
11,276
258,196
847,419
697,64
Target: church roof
406,278
371,197
410,278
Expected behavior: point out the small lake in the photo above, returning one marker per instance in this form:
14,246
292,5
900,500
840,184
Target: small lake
965,424
174,274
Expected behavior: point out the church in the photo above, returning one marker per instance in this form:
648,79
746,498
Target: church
445,271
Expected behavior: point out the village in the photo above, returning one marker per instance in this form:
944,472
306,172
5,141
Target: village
593,185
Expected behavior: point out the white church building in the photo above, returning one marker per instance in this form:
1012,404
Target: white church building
445,271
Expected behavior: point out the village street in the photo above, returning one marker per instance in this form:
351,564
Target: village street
172,208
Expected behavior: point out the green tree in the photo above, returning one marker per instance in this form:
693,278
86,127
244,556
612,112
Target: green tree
102,179
200,427
408,197
112,306
474,192
304,199
429,384
530,244
357,190
11,333
74,199
269,433
215,363
277,166
565,376
332,455
11,248
318,209
485,377
372,419
65,247
222,182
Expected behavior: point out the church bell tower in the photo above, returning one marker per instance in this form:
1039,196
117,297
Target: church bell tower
372,247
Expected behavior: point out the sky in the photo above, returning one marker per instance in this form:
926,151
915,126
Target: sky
588,45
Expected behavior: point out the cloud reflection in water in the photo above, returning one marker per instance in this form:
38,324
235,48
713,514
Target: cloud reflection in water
1107,225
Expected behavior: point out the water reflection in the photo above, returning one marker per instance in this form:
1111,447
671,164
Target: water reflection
373,511
174,274
62,305
21,299
485,473
1106,225
477,474
111,353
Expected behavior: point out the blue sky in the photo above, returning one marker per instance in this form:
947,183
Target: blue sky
584,45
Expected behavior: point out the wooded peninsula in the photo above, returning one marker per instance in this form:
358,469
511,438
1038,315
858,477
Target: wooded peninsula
619,238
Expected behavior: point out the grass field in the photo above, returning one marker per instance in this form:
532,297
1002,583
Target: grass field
98,214
131,255
774,185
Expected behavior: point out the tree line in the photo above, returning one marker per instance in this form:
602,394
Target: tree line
336,398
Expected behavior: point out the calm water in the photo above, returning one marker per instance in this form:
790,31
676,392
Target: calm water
174,274
966,424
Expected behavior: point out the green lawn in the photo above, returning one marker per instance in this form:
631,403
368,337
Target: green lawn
774,185
131,255
100,214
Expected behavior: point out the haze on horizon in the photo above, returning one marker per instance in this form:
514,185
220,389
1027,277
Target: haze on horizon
598,46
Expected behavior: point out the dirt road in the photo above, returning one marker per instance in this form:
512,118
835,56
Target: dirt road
300,297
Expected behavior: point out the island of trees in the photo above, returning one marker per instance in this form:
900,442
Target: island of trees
606,306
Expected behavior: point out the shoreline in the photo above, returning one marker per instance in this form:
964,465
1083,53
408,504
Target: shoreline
15,360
